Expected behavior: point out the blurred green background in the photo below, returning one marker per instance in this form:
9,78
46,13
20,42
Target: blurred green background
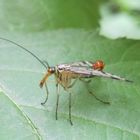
62,31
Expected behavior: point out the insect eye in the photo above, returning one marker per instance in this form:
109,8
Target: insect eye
98,65
51,70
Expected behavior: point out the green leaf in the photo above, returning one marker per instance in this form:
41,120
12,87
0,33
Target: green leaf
22,116
48,14
15,123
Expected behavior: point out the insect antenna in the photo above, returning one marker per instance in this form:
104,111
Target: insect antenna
43,63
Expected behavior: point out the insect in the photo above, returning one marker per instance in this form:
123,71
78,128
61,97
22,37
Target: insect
66,76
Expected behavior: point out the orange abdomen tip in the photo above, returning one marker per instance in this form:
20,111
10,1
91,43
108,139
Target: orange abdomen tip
98,65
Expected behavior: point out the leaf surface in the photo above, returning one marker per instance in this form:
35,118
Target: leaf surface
21,96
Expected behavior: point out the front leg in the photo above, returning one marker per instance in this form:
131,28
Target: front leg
47,92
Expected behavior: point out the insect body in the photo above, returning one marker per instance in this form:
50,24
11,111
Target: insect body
66,75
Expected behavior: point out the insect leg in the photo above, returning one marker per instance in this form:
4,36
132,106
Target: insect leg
70,86
70,109
47,92
57,101
74,82
105,102
83,80
86,84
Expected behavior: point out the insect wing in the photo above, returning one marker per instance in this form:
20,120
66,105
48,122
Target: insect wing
82,64
81,70
108,75
77,68
84,69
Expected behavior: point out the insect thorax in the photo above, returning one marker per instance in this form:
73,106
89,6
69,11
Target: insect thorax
64,77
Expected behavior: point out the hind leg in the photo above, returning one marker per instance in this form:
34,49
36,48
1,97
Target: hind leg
86,83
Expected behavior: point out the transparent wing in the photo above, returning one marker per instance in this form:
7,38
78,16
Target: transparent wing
108,75
77,68
82,64
88,72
